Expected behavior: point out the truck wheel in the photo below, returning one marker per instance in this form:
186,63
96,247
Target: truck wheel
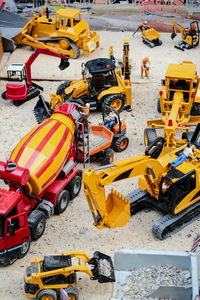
121,144
62,87
115,101
74,186
72,292
108,156
158,105
24,249
3,95
149,136
62,202
47,295
37,224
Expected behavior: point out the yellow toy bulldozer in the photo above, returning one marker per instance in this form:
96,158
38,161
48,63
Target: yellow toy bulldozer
102,82
67,33
52,276
190,36
178,103
172,190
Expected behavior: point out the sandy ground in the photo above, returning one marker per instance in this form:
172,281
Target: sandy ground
73,230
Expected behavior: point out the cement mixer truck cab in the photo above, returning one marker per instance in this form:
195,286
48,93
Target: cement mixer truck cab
42,177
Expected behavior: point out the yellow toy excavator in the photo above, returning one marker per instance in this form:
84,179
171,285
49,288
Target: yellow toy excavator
174,191
66,33
190,36
178,103
54,277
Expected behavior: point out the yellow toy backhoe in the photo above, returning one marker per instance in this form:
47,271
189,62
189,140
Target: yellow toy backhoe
52,277
66,33
178,103
102,82
174,191
190,36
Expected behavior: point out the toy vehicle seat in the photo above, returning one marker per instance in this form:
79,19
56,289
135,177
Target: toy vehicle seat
56,262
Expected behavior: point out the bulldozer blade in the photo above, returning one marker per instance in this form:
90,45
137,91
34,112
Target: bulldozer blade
18,38
103,269
64,63
117,210
179,48
42,110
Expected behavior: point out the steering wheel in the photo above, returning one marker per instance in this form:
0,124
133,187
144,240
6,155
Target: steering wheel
155,152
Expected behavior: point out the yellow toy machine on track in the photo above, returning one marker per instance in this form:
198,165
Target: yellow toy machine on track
49,277
178,103
150,36
66,33
190,36
174,191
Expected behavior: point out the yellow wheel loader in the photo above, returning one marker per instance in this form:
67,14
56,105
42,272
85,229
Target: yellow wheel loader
102,82
54,277
179,105
174,191
66,33
190,36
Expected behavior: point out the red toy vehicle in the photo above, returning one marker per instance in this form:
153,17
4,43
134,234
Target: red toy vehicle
20,87
42,177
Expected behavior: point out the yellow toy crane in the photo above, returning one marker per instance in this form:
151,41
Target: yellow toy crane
150,36
102,82
178,103
190,36
66,33
173,191
53,276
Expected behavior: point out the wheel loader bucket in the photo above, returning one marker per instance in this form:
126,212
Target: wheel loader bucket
117,210
103,269
63,64
42,110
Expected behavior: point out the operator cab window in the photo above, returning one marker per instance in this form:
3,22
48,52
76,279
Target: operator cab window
15,75
76,20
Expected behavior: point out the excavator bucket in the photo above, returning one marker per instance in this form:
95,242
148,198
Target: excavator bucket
64,63
173,35
42,110
103,269
117,209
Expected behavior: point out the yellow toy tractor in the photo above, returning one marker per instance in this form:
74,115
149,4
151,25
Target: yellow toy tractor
190,36
178,103
66,33
52,277
101,83
172,190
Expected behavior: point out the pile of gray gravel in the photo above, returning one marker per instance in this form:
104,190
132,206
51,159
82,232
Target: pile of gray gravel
141,283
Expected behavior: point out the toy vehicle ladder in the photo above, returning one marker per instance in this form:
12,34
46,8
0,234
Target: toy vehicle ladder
83,141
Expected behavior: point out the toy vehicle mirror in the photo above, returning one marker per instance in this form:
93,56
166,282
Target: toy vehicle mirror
162,81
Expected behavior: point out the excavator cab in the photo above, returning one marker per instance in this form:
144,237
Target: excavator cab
190,36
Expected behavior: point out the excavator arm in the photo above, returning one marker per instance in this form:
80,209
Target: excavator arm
127,72
114,210
174,32
63,64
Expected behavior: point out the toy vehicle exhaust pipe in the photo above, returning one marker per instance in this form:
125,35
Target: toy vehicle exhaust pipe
103,269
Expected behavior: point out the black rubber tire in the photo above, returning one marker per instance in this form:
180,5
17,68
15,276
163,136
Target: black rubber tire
195,111
120,144
47,292
158,106
149,136
3,95
62,87
72,291
110,98
74,186
62,202
24,249
38,227
108,156
187,135
159,42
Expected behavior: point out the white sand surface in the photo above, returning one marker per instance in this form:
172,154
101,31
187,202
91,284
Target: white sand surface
73,230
